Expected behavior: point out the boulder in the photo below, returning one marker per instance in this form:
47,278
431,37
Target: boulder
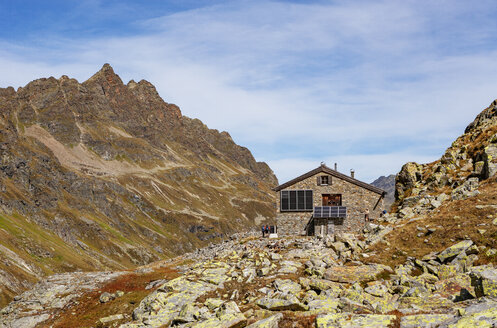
446,271
106,297
214,276
274,304
331,288
466,190
485,281
490,160
426,304
378,290
451,252
164,304
408,177
384,304
271,322
188,313
213,303
352,274
261,272
482,314
457,288
327,305
347,320
289,267
227,308
425,320
234,320
287,286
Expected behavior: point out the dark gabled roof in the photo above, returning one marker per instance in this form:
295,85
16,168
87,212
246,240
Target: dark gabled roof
327,170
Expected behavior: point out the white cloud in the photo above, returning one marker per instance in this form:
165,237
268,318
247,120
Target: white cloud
370,85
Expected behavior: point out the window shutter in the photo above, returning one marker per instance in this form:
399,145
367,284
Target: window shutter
319,181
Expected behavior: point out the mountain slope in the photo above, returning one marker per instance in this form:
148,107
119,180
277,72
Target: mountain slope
449,200
386,183
102,175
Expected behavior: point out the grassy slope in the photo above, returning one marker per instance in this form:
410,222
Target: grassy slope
218,202
454,221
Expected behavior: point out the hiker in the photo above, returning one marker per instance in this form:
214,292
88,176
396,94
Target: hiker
267,230
366,215
263,229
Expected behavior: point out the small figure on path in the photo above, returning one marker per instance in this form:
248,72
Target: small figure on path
263,229
366,215
267,230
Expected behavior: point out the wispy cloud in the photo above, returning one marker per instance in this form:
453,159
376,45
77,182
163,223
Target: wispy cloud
370,85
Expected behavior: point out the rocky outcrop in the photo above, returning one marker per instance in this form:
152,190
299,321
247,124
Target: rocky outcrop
471,159
105,175
221,289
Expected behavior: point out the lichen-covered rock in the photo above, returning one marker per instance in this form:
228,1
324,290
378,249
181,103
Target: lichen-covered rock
483,314
353,295
271,322
213,303
457,288
325,285
232,320
227,308
383,304
425,303
188,313
490,161
485,281
287,286
378,290
451,252
352,274
163,305
346,320
424,320
328,305
215,276
446,271
408,177
466,190
274,304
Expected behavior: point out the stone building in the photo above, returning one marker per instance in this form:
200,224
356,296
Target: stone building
325,201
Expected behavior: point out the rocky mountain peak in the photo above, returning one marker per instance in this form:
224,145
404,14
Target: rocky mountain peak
386,183
111,172
486,117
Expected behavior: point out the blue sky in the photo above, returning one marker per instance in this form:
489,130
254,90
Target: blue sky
368,84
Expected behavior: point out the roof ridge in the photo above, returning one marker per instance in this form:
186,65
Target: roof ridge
326,169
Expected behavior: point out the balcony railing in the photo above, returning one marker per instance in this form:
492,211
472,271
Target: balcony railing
330,212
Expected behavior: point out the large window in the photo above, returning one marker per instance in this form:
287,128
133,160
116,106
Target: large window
296,200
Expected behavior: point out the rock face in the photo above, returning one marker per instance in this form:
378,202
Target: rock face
102,175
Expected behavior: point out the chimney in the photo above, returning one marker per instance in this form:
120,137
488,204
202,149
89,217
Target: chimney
336,166
352,173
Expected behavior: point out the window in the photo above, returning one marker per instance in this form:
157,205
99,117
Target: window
332,199
296,200
324,180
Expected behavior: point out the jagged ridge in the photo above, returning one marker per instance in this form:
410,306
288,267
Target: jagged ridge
103,175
